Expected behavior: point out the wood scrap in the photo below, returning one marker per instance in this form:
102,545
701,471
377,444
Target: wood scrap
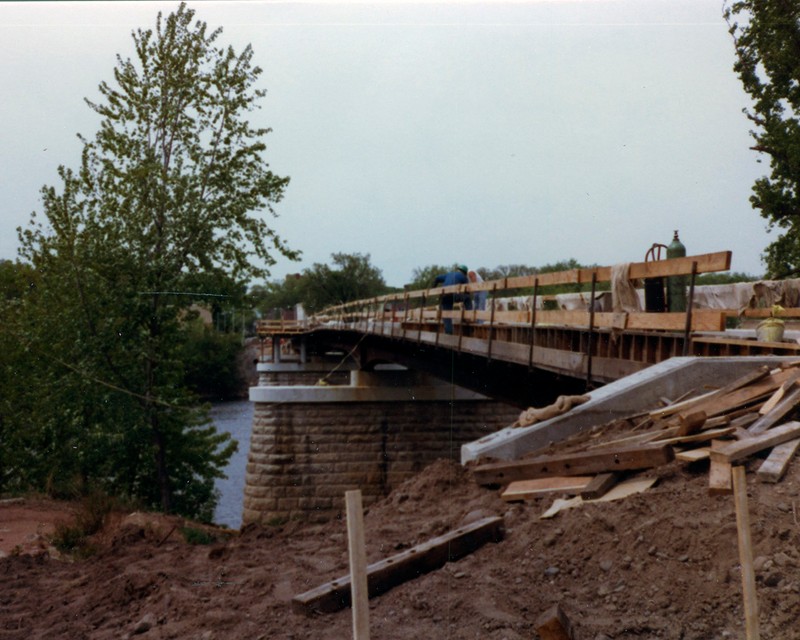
622,490
746,554
582,463
703,436
693,455
745,420
553,624
538,487
773,468
639,438
691,422
781,410
734,451
681,406
776,397
720,403
599,486
385,574
720,480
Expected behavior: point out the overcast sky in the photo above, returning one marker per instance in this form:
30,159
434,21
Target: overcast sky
436,133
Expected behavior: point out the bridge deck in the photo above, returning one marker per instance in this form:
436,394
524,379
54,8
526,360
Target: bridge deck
595,347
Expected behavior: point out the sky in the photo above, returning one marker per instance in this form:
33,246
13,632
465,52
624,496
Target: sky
426,133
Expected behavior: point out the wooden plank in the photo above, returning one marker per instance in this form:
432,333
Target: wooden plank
358,564
742,342
691,422
791,312
719,473
747,379
683,405
734,451
746,554
773,468
385,574
781,410
703,436
599,486
776,397
702,320
622,490
693,455
553,624
638,438
575,464
722,403
538,487
706,263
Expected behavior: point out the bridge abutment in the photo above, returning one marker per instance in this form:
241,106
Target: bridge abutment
312,442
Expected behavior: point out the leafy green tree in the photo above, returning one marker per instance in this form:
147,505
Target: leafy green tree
422,277
349,276
766,36
171,188
274,296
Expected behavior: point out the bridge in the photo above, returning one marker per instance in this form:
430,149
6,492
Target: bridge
521,350
372,426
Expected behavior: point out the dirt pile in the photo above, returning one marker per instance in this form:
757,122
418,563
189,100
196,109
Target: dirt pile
661,564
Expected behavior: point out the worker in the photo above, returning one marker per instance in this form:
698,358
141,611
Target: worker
458,276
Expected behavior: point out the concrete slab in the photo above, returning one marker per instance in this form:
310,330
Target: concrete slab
627,396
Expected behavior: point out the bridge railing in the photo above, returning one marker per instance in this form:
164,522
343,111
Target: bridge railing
421,306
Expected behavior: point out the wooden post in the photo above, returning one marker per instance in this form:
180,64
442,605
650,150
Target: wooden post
491,323
590,346
533,321
358,565
745,553
421,318
553,624
688,330
405,316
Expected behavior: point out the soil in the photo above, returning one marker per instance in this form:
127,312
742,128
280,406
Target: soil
659,564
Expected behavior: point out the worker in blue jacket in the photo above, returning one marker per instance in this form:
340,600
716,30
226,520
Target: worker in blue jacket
459,276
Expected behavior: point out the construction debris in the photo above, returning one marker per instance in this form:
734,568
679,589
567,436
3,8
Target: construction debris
553,624
562,404
411,563
728,425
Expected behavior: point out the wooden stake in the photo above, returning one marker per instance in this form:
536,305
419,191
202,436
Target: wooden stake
746,554
553,624
358,565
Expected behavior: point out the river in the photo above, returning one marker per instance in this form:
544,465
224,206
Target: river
236,418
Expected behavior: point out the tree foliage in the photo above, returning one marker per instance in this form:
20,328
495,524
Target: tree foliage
166,209
349,276
766,36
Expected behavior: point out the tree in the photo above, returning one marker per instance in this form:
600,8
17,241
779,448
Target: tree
766,37
351,276
170,188
422,277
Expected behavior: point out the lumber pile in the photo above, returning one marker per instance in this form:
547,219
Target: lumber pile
751,416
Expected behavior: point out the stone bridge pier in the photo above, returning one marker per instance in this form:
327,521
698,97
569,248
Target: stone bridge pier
367,430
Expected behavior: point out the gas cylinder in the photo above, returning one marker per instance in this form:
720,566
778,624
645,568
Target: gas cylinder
676,285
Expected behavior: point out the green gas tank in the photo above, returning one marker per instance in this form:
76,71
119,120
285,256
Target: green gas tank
676,285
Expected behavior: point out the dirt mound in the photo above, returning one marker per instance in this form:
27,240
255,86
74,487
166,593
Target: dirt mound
661,564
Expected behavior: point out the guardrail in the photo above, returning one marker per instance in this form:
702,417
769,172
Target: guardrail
416,308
